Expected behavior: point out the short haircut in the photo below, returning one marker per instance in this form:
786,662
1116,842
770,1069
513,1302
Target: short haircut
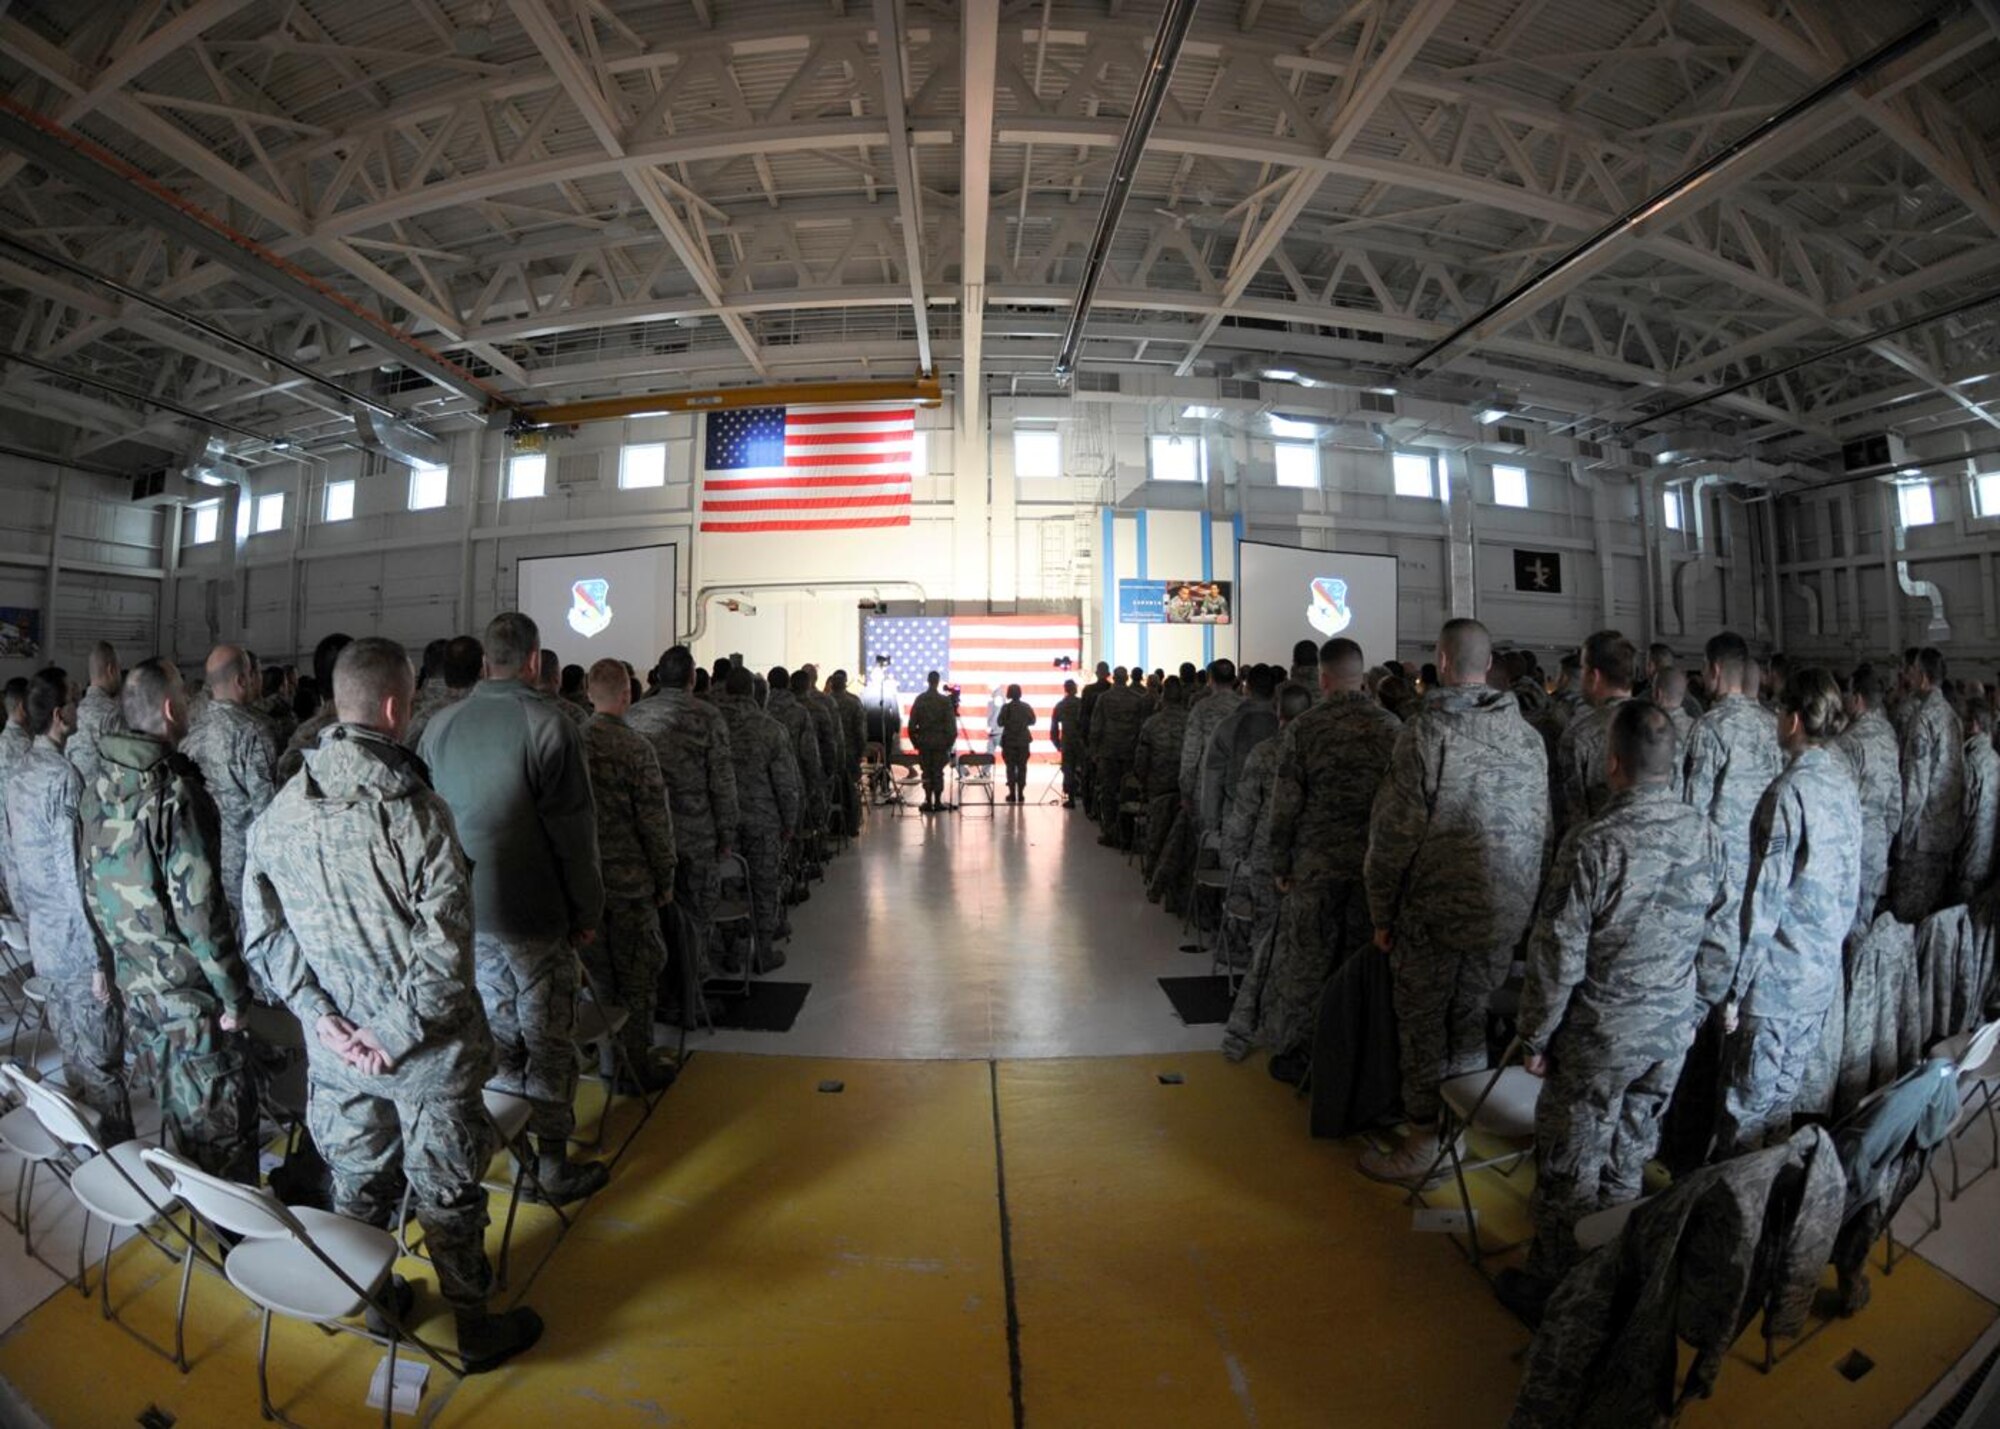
48,692
1930,660
274,680
548,665
721,668
739,683
1120,675
1729,653
703,681
801,683
434,656
1188,672
1103,669
1643,741
463,658
837,680
780,678
1468,644
1304,652
368,672
1866,684
510,639
1662,656
1294,700
326,653
607,677
1611,655
1671,686
103,659
14,695
1341,656
235,666
572,679
1069,687
676,667
1223,671
147,686
1263,682
1173,691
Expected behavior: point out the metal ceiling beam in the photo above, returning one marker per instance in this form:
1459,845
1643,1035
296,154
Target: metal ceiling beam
925,392
8,354
979,41
889,48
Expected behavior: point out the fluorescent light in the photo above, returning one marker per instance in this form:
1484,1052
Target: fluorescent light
1200,414
1279,374
1489,415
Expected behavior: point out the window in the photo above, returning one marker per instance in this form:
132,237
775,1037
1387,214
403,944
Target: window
642,466
429,485
339,501
1913,499
1414,475
1286,430
1510,486
1037,452
1177,458
207,518
1670,508
1298,464
920,454
527,476
1986,492
270,512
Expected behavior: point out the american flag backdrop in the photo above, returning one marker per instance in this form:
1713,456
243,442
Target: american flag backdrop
980,653
807,468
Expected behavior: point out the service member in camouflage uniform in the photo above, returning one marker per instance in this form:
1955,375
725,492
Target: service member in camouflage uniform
233,747
1157,767
1456,844
1670,686
1092,693
1805,875
1208,706
514,771
1017,742
15,741
1982,801
358,911
1114,736
853,743
98,715
1331,760
825,717
1246,839
307,734
1869,742
42,858
1072,748
692,743
635,848
276,705
767,794
458,671
549,680
1609,1007
934,734
1732,755
1254,720
150,848
1579,791
1933,761
789,710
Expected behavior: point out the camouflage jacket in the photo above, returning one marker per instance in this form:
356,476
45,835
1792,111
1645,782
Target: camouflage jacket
1530,698
1459,830
933,726
1730,760
790,712
692,743
1981,814
635,827
1158,762
43,857
1870,746
97,714
1235,735
1114,723
150,844
1066,730
1805,876
1933,759
14,742
1579,788
357,902
432,700
304,738
277,712
853,727
1331,760
1246,832
238,759
1612,963
1203,716
767,772
825,718
1017,727
1087,707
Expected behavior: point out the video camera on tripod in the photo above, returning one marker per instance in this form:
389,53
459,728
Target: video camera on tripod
954,693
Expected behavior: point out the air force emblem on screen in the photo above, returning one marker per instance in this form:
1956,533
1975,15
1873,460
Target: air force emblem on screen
1328,610
590,607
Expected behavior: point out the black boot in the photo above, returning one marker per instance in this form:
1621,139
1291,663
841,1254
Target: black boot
559,1180
487,1341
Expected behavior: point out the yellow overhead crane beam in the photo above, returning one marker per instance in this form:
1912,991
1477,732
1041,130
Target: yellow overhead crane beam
924,391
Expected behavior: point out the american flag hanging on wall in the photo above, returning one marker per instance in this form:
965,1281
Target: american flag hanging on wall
979,653
807,468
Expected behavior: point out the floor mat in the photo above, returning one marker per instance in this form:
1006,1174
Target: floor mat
770,1007
1199,1000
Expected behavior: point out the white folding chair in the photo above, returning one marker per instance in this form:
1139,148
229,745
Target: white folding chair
1498,1105
737,914
974,772
303,1264
1239,913
906,778
114,1185
1977,1054
596,1036
23,1135
23,994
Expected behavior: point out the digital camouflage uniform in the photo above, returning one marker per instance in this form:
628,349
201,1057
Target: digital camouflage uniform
1173,873
1235,735
277,712
1456,844
635,849
767,793
238,758
432,700
825,717
1981,812
1331,760
43,858
1530,698
97,714
150,857
1157,766
1114,738
1610,998
1870,746
1933,764
14,744
1578,774
1730,760
1017,742
692,743
934,734
853,742
1086,707
789,711
1066,731
1804,875
1246,837
305,737
358,904
1204,715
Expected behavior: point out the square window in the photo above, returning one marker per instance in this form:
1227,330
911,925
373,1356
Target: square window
207,520
1285,429
1986,492
339,501
1298,464
429,485
1670,509
642,466
1913,499
527,476
920,454
1414,475
270,512
1037,452
1510,487
1177,458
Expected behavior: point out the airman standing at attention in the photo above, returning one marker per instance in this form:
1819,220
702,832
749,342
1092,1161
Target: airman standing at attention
98,715
934,732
